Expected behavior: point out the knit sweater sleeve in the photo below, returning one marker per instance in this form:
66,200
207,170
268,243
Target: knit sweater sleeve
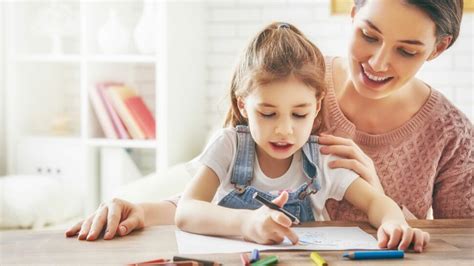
453,188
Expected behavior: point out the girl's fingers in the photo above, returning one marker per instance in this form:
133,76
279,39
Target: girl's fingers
98,224
406,238
395,236
281,199
113,220
280,218
72,231
382,238
291,235
418,240
426,238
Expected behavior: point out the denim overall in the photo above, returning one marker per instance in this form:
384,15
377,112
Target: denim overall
299,204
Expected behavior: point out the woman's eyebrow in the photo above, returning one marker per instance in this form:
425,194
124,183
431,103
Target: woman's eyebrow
414,42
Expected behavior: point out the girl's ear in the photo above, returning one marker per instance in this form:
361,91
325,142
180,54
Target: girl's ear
440,47
241,106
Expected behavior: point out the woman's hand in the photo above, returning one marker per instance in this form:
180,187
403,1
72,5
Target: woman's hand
267,226
353,158
116,217
401,236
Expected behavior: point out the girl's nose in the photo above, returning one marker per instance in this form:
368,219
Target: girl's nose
284,128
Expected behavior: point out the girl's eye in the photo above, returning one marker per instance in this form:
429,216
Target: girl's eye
367,37
269,115
300,116
405,53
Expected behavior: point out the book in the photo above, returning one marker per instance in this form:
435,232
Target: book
142,115
102,114
118,95
117,122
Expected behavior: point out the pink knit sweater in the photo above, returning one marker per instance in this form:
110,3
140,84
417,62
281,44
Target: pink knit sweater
426,162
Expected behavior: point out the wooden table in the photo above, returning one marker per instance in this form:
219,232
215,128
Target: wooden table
452,243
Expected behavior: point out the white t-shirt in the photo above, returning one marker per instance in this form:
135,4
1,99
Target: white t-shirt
219,155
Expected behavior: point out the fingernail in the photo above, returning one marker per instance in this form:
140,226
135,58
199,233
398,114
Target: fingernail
123,230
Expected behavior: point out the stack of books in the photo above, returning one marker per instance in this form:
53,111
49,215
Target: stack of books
121,112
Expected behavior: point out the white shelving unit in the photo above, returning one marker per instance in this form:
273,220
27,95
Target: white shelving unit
43,87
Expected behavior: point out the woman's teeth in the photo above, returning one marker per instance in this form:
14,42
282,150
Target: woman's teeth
374,78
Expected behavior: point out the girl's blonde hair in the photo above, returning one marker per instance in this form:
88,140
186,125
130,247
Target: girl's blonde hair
277,52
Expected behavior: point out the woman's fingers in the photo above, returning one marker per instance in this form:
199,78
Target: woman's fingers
85,228
346,151
98,223
72,231
129,224
326,139
113,220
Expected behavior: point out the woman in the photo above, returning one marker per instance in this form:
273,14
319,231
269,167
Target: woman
395,131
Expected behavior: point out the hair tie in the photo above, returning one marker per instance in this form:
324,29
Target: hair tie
283,25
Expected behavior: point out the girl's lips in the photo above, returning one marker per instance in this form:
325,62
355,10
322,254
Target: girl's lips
281,148
370,82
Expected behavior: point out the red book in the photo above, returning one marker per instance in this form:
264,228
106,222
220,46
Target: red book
141,115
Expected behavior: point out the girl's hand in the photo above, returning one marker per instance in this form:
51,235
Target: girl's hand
401,236
353,158
267,226
119,216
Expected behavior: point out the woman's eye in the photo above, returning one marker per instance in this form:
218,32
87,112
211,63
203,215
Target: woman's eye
300,115
367,37
405,53
267,115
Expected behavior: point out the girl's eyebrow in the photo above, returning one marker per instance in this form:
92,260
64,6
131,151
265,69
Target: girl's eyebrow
294,106
371,25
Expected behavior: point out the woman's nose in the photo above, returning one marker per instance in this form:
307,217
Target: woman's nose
380,60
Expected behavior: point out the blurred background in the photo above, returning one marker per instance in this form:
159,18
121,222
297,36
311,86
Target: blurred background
103,99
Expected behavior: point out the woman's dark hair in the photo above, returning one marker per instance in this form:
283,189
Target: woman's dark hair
446,14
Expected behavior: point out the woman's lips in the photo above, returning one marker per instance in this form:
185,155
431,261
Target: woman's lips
373,81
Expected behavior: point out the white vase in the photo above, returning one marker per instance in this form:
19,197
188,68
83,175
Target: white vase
113,37
145,31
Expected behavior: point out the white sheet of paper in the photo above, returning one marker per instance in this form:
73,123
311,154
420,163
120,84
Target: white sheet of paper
311,238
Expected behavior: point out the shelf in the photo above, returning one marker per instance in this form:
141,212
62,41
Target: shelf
142,144
122,58
74,58
36,58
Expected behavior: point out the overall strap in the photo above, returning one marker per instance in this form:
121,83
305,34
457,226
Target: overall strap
311,162
242,172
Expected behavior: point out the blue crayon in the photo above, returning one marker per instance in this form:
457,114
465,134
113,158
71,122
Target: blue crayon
254,256
373,255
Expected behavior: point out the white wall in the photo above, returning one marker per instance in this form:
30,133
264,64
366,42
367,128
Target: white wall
2,96
231,23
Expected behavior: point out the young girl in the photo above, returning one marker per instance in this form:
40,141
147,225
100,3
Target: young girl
276,94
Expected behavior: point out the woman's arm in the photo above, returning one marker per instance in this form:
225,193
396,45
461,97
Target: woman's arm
383,212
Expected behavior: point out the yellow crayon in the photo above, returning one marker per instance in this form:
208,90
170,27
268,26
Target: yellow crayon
316,258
